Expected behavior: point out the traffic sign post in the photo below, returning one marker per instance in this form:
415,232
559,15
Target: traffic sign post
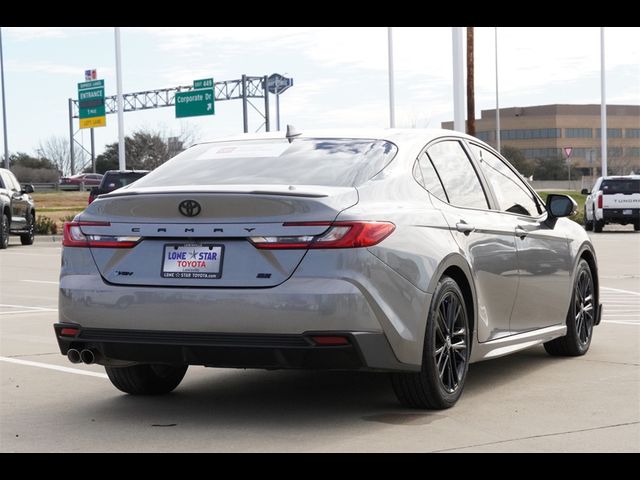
277,84
196,102
91,104
568,151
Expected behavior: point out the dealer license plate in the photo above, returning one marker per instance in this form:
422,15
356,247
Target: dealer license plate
192,261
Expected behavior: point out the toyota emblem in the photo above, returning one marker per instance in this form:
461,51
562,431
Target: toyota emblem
189,208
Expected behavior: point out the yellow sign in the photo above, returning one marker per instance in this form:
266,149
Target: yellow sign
93,122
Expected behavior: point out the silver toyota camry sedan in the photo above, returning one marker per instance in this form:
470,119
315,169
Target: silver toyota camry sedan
413,252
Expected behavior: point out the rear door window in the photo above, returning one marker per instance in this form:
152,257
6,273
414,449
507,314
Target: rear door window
458,176
512,194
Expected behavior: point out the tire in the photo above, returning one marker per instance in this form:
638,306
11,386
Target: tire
588,225
27,238
146,379
445,357
580,317
4,231
636,226
597,224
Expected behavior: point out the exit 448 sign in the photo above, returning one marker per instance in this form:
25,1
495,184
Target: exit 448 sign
196,102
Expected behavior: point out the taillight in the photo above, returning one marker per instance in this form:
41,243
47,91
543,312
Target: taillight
337,235
600,200
73,237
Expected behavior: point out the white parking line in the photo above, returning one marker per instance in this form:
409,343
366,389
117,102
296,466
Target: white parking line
28,311
40,281
620,290
32,254
621,307
48,366
28,307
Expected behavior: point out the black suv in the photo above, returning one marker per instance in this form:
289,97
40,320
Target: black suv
17,209
114,179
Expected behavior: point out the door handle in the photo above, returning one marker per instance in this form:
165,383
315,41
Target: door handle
464,227
521,232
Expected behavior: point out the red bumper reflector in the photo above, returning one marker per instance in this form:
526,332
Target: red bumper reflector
69,332
330,340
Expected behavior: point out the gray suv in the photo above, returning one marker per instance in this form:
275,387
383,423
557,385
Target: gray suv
17,208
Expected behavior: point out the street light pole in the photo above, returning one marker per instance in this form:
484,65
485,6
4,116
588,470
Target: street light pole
603,107
497,98
392,99
121,151
458,80
4,107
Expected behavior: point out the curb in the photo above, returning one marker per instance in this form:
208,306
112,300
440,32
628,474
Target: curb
48,239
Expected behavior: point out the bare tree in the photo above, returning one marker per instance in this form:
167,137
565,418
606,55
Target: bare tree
56,149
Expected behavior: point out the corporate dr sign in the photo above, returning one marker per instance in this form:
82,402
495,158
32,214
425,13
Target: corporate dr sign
196,102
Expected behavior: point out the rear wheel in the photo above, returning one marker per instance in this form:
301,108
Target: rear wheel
597,224
580,318
4,231
636,226
588,224
27,238
445,357
146,379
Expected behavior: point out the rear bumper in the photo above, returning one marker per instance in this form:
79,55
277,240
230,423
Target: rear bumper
617,215
364,351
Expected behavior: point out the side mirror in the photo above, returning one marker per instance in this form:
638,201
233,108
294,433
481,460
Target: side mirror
584,191
27,188
561,206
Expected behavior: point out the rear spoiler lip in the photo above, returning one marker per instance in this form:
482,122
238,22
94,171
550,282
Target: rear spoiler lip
206,192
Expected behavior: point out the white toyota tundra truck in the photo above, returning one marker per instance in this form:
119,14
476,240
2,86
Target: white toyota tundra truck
613,200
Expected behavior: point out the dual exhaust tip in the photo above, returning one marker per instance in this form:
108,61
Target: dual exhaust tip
81,356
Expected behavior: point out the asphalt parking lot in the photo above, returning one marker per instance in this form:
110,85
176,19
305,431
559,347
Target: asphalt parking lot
525,402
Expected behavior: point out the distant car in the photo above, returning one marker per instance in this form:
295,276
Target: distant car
89,179
415,252
613,200
17,210
115,179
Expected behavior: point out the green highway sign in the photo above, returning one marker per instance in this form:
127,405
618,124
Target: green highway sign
91,104
195,103
204,83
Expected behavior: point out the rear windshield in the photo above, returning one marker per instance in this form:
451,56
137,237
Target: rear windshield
119,180
308,161
620,185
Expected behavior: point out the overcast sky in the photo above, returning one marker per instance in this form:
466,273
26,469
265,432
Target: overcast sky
340,73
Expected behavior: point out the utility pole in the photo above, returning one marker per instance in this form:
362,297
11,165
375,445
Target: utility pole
471,99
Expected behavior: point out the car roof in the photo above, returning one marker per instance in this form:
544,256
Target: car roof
399,136
126,171
622,177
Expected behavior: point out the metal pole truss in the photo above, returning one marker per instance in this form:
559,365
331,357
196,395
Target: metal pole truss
165,97
254,87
